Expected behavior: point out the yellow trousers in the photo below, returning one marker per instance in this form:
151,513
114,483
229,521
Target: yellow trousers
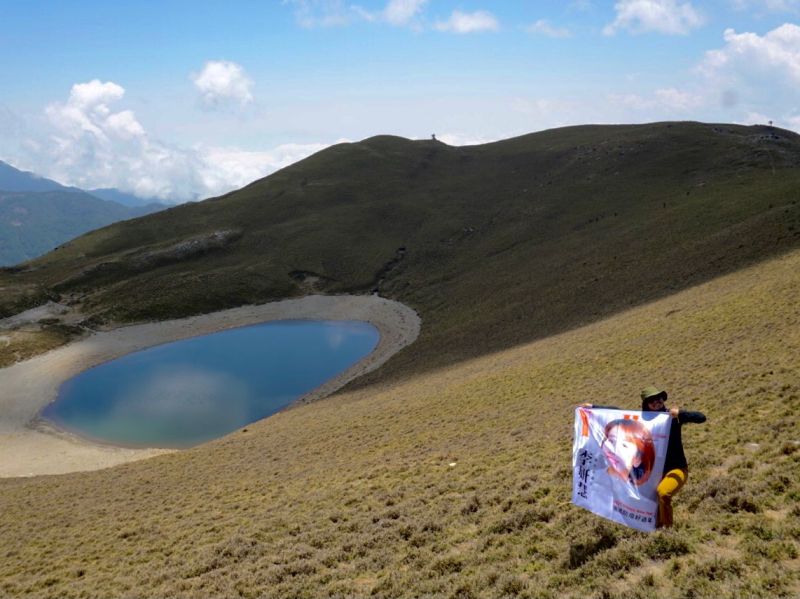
672,482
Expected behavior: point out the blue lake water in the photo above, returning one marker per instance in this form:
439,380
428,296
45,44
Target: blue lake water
187,392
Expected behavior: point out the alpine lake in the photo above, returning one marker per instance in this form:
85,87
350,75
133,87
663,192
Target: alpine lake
187,392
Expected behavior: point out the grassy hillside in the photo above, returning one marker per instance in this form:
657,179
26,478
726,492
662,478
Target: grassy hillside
494,245
447,472
456,482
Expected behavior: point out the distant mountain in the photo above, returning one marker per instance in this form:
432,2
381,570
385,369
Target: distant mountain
32,223
120,197
37,214
12,179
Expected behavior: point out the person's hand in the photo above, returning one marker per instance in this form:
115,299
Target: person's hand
674,412
585,405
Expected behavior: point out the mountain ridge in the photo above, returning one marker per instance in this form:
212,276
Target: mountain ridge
14,179
37,214
543,232
550,270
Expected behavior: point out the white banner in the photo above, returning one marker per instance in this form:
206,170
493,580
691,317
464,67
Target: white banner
617,462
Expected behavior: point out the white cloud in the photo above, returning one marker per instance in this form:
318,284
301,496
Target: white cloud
749,55
401,12
124,125
231,168
756,77
460,22
543,27
461,139
222,82
320,13
661,16
87,112
90,145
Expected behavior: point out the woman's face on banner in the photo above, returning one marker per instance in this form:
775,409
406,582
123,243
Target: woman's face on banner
621,451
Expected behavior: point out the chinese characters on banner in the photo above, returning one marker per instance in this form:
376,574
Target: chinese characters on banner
617,463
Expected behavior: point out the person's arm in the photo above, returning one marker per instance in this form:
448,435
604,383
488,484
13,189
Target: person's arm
594,405
693,417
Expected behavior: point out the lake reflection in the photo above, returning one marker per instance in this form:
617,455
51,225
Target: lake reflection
187,392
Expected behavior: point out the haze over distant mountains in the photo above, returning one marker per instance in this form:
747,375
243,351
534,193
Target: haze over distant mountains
13,179
38,214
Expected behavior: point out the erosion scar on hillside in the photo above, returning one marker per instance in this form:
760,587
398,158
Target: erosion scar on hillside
29,446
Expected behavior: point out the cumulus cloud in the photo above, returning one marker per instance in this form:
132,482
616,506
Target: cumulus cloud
231,168
662,16
89,144
223,83
544,27
756,75
461,22
747,55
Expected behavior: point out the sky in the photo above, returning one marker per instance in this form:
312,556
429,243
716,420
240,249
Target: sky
182,100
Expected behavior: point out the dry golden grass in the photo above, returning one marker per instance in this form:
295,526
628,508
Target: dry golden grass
456,483
17,345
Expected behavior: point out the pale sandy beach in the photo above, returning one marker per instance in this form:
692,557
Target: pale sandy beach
29,447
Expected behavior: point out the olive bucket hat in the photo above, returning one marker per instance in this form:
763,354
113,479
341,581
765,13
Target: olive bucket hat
651,392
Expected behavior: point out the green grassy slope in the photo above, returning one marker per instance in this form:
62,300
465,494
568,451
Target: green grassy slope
494,245
456,482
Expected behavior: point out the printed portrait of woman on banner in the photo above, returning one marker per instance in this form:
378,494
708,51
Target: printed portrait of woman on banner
618,458
629,450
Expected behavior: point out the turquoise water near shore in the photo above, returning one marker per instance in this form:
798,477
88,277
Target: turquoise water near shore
187,392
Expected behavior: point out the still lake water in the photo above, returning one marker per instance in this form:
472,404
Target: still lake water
186,392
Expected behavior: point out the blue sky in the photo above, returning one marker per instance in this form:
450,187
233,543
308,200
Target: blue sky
179,100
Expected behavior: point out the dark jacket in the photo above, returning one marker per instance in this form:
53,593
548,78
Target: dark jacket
675,456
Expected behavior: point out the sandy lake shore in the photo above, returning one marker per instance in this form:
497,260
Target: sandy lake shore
30,447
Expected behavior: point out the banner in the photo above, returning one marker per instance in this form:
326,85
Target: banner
617,463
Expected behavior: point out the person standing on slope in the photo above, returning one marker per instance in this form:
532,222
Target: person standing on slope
676,469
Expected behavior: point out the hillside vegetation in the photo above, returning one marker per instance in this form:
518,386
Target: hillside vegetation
456,482
494,245
571,265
